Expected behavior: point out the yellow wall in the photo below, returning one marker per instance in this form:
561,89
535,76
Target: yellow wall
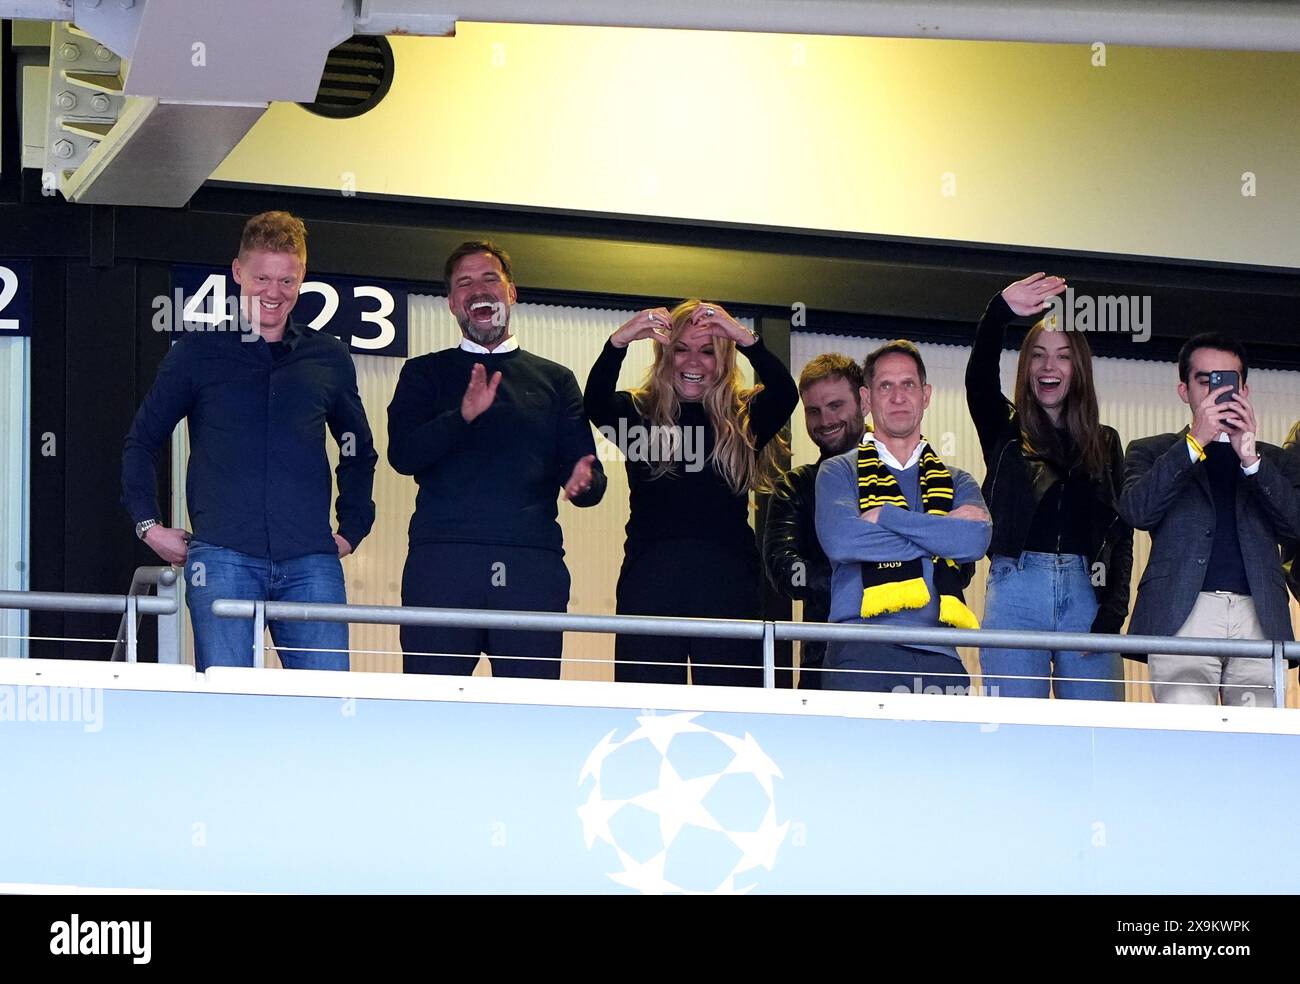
1144,155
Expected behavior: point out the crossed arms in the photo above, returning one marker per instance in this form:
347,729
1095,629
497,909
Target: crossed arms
849,536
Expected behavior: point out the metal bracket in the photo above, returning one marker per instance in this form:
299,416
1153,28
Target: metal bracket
85,99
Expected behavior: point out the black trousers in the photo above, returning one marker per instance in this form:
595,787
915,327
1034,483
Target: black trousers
689,579
476,575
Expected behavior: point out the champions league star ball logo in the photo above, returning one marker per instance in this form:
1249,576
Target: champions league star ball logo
680,808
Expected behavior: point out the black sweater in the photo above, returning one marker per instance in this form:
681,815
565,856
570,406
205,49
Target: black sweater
496,479
1225,570
690,505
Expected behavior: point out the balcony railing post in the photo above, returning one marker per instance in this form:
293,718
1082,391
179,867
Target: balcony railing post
132,628
163,581
169,626
259,632
1279,674
769,655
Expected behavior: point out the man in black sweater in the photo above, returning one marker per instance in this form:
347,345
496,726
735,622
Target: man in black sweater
491,434
1218,504
830,387
258,397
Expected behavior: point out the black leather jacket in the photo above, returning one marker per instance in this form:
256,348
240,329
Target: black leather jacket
792,556
1015,483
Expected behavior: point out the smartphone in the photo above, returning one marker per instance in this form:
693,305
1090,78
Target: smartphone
1226,377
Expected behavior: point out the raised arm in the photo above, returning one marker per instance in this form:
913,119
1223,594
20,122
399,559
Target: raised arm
1153,481
1271,479
770,407
989,407
604,406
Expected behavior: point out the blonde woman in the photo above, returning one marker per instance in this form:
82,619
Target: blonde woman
696,442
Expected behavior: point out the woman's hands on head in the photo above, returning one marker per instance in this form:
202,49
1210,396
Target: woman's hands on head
651,323
712,319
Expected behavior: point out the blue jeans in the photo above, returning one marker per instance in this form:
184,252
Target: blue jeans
213,572
1046,592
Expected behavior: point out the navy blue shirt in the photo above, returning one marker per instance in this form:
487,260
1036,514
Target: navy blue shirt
258,479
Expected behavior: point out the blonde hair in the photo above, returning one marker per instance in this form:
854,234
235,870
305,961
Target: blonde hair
726,403
274,232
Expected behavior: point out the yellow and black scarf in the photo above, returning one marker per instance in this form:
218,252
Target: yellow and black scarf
893,585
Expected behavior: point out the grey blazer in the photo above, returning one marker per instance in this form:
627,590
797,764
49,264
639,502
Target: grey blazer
1168,495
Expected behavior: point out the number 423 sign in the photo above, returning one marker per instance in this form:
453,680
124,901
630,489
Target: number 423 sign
369,316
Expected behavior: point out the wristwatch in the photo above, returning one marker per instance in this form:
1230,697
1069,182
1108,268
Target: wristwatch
144,526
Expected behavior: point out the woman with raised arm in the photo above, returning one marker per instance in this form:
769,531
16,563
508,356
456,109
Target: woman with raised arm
1060,555
696,442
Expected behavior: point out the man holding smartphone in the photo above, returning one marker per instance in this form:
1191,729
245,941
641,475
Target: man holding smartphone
1218,505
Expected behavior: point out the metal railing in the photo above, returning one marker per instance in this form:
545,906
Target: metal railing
132,606
767,632
129,606
164,581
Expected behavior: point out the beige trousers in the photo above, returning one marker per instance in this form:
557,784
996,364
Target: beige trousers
1205,679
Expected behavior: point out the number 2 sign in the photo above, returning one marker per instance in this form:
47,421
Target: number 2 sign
15,298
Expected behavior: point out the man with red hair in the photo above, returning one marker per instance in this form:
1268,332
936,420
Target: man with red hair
258,401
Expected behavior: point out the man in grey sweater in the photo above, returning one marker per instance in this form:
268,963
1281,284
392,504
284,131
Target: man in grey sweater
897,523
